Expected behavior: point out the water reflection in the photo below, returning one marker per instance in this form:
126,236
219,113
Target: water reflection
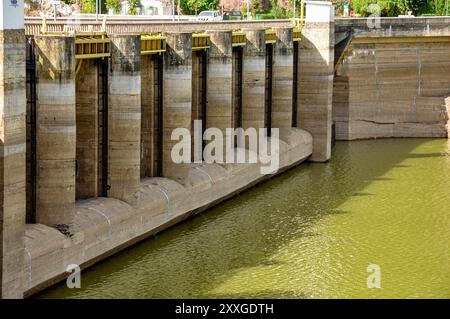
310,232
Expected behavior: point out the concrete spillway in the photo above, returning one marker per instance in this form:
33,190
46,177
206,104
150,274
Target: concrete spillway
86,159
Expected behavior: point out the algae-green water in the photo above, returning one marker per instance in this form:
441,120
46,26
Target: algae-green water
310,232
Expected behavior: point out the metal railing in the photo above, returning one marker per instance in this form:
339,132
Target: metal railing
147,26
93,43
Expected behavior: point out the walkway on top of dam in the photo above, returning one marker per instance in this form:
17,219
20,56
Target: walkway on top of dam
360,27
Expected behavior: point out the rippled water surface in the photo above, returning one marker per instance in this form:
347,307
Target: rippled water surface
310,232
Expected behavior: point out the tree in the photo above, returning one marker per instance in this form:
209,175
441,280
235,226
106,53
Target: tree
277,11
388,8
392,8
417,6
88,6
113,4
438,7
191,6
133,6
256,6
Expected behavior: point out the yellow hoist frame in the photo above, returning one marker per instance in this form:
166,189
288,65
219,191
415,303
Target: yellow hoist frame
200,41
238,39
153,44
271,36
96,44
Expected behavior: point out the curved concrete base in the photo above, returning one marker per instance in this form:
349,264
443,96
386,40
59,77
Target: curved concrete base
103,226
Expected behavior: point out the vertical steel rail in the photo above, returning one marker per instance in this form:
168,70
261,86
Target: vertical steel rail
31,156
294,86
158,114
268,90
103,125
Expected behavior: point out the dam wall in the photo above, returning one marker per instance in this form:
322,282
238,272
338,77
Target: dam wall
89,108
392,88
88,117
391,77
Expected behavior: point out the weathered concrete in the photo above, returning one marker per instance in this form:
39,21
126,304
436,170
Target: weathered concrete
219,77
388,86
385,89
124,131
282,81
177,94
56,126
12,160
315,85
391,27
253,86
87,130
105,225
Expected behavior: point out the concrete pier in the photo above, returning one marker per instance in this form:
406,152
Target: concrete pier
282,81
316,70
253,78
56,127
12,150
177,95
124,131
220,75
87,130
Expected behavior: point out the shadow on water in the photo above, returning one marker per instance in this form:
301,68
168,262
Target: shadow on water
243,233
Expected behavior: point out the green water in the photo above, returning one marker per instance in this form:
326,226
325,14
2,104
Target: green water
309,233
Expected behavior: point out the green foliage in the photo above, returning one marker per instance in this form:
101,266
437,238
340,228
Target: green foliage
417,6
191,6
133,6
267,15
392,8
388,8
244,11
278,12
438,7
88,6
113,4
67,1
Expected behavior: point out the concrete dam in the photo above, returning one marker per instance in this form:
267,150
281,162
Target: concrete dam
89,108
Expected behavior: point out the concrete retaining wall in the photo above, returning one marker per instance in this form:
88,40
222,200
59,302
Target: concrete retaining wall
392,89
